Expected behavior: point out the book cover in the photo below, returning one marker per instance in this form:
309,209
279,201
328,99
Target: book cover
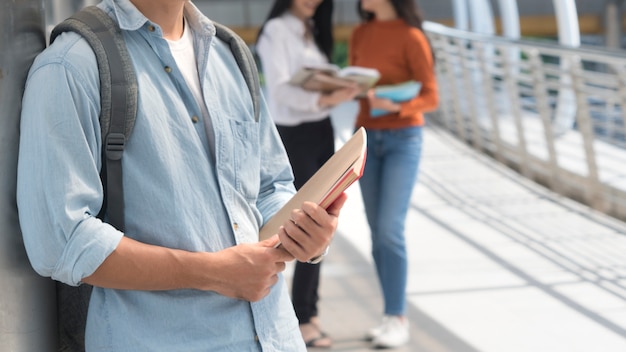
327,78
334,177
397,93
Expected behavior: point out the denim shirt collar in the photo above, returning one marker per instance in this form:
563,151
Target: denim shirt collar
130,18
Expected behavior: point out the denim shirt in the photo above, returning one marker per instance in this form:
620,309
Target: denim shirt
177,194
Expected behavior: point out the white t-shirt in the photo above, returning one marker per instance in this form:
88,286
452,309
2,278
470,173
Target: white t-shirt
184,55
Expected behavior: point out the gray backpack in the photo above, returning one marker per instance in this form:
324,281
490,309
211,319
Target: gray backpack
118,98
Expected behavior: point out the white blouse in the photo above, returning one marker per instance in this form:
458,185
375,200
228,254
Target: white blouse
283,49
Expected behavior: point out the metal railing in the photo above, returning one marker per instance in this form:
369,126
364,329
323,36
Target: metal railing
553,113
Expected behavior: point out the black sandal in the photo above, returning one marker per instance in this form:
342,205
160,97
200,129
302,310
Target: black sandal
314,342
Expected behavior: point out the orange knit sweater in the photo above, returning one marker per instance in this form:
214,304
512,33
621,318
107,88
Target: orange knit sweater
401,53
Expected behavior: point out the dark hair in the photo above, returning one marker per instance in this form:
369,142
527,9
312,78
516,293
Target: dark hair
405,9
322,23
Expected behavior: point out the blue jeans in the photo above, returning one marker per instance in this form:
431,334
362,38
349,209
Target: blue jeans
390,174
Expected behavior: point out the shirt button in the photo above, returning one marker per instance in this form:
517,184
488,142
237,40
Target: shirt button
195,119
235,226
256,338
151,28
167,69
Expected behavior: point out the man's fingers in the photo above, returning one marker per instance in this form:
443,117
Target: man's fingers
270,242
336,206
282,254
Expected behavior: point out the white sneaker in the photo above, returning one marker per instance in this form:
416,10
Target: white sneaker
393,333
375,331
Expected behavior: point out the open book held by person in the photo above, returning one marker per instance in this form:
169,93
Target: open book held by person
327,78
334,177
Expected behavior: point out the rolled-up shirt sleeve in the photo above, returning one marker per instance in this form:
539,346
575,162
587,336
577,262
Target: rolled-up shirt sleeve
59,191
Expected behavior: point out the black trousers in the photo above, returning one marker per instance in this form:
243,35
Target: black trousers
309,146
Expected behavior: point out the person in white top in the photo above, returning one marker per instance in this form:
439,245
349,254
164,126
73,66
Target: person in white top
298,33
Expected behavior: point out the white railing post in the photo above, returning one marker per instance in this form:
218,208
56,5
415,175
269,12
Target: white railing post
456,72
470,82
593,188
543,108
513,95
621,91
445,79
490,100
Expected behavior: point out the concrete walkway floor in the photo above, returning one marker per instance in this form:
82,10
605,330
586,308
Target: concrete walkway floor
497,264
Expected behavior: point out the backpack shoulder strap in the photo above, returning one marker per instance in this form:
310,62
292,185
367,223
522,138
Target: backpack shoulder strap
246,63
118,97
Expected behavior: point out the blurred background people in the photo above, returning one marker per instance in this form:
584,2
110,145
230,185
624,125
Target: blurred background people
390,40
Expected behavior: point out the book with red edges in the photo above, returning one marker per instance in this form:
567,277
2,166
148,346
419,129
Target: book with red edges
334,177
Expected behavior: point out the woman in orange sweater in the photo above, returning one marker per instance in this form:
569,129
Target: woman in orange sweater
390,40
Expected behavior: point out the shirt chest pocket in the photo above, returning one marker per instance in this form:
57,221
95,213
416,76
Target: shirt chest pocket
246,157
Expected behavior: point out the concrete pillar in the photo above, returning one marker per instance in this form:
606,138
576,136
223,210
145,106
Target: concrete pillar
481,16
27,301
461,14
613,23
62,9
509,13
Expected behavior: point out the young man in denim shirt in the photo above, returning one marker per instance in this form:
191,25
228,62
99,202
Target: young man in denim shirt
201,176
